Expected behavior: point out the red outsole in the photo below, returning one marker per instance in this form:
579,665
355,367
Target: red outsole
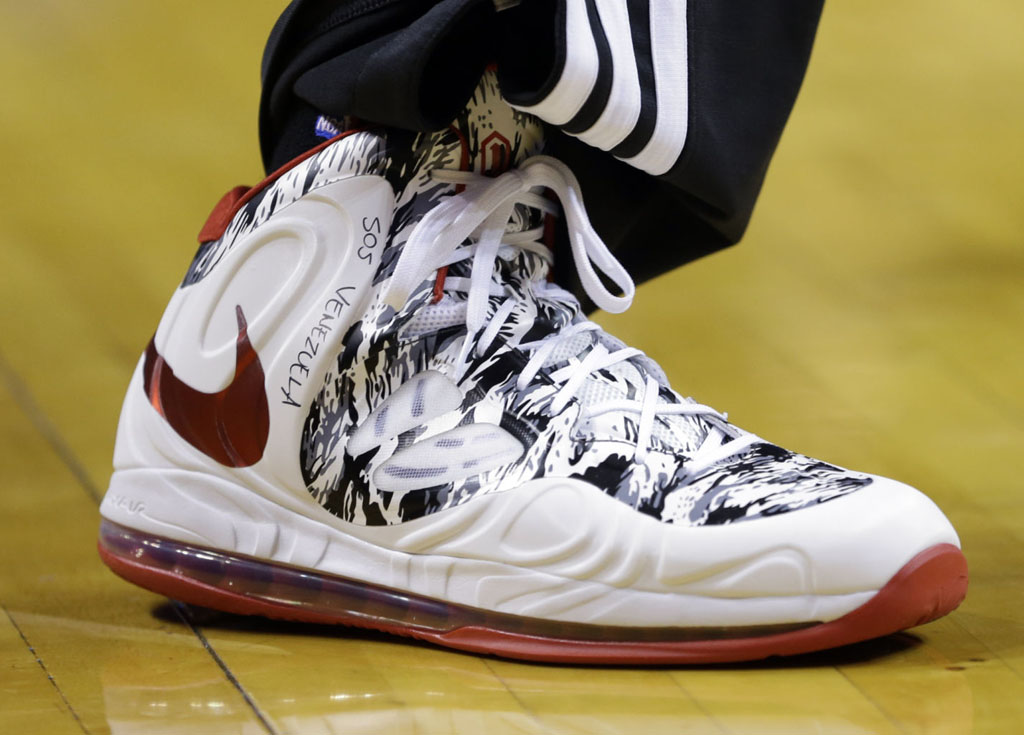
930,585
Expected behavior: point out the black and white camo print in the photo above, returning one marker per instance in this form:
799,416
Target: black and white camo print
386,348
765,480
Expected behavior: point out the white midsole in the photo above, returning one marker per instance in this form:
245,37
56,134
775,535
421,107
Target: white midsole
214,513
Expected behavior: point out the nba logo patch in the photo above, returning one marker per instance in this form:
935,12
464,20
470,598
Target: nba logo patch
325,128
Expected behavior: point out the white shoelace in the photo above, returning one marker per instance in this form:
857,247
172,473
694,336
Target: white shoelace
479,215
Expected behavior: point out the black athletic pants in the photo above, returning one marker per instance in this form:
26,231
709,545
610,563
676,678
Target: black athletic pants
728,71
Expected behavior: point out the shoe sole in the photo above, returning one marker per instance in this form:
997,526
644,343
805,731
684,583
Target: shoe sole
930,585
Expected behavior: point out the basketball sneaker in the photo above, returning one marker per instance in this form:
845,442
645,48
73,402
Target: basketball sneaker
367,403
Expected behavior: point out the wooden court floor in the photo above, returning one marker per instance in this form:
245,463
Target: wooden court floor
873,316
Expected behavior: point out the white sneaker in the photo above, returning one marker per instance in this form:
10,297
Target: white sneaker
367,404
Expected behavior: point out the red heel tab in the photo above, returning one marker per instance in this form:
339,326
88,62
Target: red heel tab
221,215
229,204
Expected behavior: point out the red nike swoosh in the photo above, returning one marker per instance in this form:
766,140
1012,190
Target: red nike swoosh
230,426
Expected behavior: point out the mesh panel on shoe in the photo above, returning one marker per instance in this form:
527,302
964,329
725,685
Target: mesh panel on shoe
570,348
447,312
595,392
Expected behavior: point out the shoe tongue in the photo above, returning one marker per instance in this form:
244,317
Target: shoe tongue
488,137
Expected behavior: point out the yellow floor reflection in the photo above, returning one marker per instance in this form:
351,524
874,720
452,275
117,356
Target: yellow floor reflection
309,679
